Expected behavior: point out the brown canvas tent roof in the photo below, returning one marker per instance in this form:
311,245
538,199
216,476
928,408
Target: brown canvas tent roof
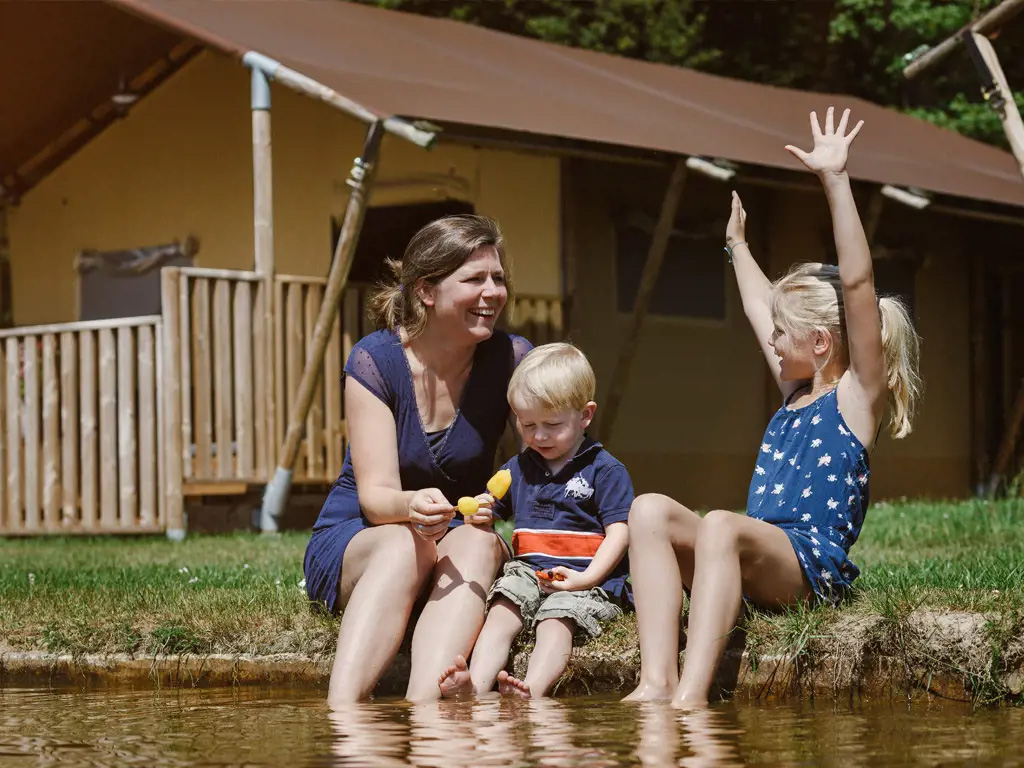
407,65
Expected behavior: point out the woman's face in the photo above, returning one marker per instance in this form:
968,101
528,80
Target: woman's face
467,302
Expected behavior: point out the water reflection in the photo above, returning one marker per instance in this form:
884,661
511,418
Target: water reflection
274,727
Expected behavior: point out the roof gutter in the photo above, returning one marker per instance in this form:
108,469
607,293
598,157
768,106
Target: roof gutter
275,70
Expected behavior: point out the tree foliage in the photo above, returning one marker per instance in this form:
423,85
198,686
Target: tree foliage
838,46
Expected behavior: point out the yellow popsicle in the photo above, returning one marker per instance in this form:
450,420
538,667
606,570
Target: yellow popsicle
498,485
468,506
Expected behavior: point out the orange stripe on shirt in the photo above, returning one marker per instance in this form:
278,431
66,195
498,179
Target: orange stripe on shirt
556,543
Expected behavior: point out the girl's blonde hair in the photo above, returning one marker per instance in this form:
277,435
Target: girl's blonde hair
555,377
437,250
810,298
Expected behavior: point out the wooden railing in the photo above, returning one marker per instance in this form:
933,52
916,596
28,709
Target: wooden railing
296,304
82,439
106,426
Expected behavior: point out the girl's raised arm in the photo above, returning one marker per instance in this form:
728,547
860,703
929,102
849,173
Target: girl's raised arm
867,385
755,292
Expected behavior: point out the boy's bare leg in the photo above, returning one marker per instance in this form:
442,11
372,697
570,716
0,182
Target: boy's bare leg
504,622
735,554
547,662
662,538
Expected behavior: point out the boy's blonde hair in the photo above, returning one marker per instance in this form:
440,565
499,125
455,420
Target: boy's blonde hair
810,298
556,377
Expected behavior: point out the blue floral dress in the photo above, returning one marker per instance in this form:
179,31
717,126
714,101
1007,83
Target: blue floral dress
811,480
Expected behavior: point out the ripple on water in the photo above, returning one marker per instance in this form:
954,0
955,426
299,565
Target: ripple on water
261,727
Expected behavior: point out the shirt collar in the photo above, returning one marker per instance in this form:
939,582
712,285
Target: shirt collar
588,446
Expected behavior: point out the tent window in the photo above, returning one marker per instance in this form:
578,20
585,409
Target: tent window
691,283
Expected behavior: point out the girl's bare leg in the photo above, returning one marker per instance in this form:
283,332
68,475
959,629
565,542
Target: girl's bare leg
735,554
384,570
662,538
467,560
550,655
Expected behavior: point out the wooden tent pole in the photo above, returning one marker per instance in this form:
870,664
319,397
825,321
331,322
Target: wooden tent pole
987,24
1009,115
361,181
652,267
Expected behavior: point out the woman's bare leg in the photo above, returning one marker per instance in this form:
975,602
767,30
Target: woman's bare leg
735,554
468,559
384,570
662,538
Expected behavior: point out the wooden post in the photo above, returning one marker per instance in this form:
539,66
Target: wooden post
361,181
69,428
171,356
1008,113
655,257
988,23
263,250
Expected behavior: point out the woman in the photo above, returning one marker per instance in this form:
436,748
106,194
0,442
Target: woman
425,407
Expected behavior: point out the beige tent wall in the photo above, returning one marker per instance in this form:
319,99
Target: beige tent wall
181,163
699,395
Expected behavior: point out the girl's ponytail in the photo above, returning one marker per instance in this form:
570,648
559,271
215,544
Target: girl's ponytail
900,346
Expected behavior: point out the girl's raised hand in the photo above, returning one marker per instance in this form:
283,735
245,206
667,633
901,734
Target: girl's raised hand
831,147
736,229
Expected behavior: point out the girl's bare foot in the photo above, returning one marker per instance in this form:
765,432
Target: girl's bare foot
455,681
510,686
647,692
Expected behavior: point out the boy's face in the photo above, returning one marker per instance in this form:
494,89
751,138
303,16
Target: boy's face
557,435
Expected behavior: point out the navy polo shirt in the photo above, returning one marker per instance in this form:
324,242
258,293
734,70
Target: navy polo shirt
560,519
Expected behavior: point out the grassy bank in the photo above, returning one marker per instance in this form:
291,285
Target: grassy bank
241,594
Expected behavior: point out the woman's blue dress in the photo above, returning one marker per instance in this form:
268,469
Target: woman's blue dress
457,461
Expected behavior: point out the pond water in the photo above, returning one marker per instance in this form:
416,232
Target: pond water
261,727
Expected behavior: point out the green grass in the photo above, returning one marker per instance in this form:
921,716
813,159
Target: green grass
240,593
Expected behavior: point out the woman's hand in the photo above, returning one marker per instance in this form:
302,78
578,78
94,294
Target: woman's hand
429,513
485,513
831,148
570,581
736,229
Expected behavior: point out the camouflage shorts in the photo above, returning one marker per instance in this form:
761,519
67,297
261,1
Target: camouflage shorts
519,584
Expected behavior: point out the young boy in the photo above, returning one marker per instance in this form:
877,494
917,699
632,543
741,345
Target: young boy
570,499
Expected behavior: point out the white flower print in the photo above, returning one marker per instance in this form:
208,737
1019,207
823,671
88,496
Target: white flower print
826,575
862,479
808,476
765,448
832,503
824,460
759,470
802,556
805,517
817,552
849,526
777,455
796,423
832,478
792,462
760,490
816,420
806,492
843,431
814,529
777,489
852,499
815,442
849,479
771,432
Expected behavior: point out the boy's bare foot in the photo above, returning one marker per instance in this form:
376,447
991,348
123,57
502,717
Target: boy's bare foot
455,681
688,703
510,686
647,692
